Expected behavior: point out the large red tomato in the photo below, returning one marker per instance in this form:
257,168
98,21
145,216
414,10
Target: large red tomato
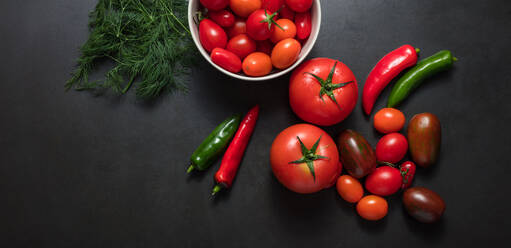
323,91
304,158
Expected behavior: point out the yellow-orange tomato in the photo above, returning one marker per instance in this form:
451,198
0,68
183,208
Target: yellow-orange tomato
285,53
257,64
372,207
243,8
349,188
288,30
389,120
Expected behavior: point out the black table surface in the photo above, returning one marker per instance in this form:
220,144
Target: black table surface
78,170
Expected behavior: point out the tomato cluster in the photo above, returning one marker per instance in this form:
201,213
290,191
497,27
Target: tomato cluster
255,36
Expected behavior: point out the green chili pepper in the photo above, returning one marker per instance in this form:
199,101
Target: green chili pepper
414,77
213,146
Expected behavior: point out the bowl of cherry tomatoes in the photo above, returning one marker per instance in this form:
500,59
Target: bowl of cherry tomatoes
254,40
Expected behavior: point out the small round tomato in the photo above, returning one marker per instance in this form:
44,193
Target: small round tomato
286,13
241,45
260,24
211,35
303,25
384,180
244,8
214,4
299,5
285,53
264,46
349,188
224,18
407,170
226,60
271,5
239,27
257,64
391,148
304,158
285,29
389,120
372,207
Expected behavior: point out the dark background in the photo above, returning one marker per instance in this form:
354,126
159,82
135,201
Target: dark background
83,171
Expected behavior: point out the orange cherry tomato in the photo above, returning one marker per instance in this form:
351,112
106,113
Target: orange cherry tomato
244,8
257,64
389,120
349,188
285,53
288,30
372,207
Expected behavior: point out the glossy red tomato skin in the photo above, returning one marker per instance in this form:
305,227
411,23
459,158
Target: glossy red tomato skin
224,18
239,27
214,4
257,30
407,170
226,59
286,13
303,23
241,45
304,92
391,148
211,35
384,181
299,5
271,5
298,178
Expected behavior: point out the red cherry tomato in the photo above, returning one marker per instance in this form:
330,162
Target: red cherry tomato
391,148
287,153
272,5
372,207
389,120
384,180
407,172
257,64
299,5
214,4
226,60
286,13
311,106
285,53
264,46
224,18
211,35
257,24
349,188
241,45
239,27
243,8
303,25
288,30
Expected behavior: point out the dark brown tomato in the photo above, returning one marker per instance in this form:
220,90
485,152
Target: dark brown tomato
423,204
424,138
357,155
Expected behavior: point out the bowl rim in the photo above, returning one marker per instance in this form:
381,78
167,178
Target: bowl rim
312,39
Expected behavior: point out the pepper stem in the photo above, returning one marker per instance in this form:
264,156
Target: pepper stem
190,169
454,59
216,189
417,50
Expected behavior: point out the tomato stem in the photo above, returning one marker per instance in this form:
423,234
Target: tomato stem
327,85
309,156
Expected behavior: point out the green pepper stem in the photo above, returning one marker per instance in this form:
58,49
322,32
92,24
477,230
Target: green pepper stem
190,169
216,189
417,50
454,59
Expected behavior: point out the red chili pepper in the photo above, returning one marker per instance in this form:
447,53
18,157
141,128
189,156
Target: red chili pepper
234,153
384,71
407,172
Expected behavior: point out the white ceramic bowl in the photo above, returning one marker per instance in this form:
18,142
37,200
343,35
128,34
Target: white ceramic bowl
193,6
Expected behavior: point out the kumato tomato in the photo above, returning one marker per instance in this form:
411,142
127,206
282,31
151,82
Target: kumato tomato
304,158
423,204
285,53
349,188
299,5
424,137
391,148
244,8
389,120
323,91
285,29
241,45
214,4
384,181
372,207
257,64
357,155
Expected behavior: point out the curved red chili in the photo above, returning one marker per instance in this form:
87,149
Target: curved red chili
384,71
234,153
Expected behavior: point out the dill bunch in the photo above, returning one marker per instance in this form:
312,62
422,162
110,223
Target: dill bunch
147,40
